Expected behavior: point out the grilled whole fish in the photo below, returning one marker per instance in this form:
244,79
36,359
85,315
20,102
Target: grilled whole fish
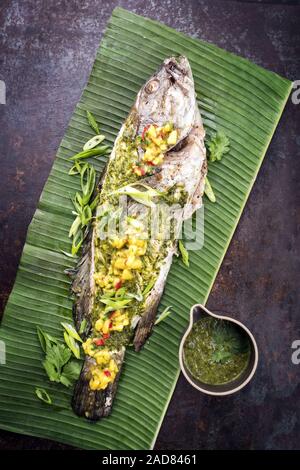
158,156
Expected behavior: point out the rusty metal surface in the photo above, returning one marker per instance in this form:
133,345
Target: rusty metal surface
46,53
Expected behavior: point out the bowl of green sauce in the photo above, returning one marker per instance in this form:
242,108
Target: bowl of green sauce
218,355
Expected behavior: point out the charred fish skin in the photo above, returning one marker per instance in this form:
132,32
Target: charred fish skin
94,405
167,97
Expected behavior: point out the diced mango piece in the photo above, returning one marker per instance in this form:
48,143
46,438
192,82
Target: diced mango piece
139,242
168,127
102,356
105,327
151,132
148,155
120,263
158,160
118,242
99,324
158,141
172,139
127,275
137,264
94,384
130,261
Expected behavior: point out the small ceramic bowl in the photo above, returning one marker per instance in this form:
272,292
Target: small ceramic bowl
199,311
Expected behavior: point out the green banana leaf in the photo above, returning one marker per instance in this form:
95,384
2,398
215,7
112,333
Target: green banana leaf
244,100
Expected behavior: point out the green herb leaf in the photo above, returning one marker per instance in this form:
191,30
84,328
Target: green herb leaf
71,372
76,169
220,356
43,395
93,142
42,338
83,325
72,345
94,203
77,242
45,339
114,304
90,153
56,357
184,253
75,227
228,341
69,255
148,287
144,196
218,146
92,122
71,330
86,216
163,315
87,181
209,191
77,202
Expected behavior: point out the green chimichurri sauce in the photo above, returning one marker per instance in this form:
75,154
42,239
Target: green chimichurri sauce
216,351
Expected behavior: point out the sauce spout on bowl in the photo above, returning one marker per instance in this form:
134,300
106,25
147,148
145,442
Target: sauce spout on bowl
219,362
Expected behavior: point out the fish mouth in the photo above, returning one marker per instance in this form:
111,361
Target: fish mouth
177,68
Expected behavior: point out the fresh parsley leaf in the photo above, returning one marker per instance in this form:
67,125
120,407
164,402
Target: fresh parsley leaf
57,362
51,370
218,145
45,339
71,372
228,341
220,356
56,357
184,253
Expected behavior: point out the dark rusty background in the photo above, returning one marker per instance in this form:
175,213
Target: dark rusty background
47,48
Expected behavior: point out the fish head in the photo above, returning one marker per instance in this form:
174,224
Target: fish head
168,96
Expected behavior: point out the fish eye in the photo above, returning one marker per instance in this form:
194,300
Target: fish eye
152,86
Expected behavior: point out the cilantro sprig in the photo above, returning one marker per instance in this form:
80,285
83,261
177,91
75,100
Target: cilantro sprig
57,363
218,145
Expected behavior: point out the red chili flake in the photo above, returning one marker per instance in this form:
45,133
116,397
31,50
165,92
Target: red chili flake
110,325
106,335
151,163
112,314
98,341
118,284
107,373
145,130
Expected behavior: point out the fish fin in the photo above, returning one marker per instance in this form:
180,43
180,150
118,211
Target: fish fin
97,404
83,285
145,324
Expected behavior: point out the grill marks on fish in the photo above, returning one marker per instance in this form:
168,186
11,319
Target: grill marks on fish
168,96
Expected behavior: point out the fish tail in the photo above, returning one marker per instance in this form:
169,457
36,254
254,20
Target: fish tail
95,404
